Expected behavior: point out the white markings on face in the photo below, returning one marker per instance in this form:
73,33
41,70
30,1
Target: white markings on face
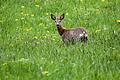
58,22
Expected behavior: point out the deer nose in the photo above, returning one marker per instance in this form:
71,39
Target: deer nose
57,24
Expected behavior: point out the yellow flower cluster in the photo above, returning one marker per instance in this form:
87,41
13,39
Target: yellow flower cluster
37,5
117,20
98,30
22,6
103,0
28,29
45,73
23,14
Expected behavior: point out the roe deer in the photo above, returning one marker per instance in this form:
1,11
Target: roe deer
69,35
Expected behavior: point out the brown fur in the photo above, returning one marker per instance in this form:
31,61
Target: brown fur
70,35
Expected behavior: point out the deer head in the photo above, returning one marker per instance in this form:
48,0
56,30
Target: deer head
57,19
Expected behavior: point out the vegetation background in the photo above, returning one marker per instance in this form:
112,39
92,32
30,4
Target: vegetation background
31,48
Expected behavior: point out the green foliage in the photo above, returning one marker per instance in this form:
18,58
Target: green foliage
31,48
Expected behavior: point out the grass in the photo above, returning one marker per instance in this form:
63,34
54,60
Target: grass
31,48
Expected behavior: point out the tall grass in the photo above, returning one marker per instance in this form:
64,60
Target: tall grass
31,48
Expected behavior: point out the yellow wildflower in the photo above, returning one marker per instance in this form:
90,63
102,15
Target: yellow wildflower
97,30
37,5
35,37
16,19
23,60
45,73
29,29
47,14
22,6
4,63
32,15
40,24
47,31
26,14
21,13
113,48
22,18
117,20
45,36
53,39
66,13
103,0
52,62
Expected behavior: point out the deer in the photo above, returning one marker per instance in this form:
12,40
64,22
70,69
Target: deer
72,35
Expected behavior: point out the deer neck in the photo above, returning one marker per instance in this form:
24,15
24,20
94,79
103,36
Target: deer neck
60,30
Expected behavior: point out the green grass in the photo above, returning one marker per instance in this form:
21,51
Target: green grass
31,48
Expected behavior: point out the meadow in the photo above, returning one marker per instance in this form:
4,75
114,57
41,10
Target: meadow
31,48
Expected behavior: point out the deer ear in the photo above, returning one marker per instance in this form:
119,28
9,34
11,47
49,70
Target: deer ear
53,17
62,16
